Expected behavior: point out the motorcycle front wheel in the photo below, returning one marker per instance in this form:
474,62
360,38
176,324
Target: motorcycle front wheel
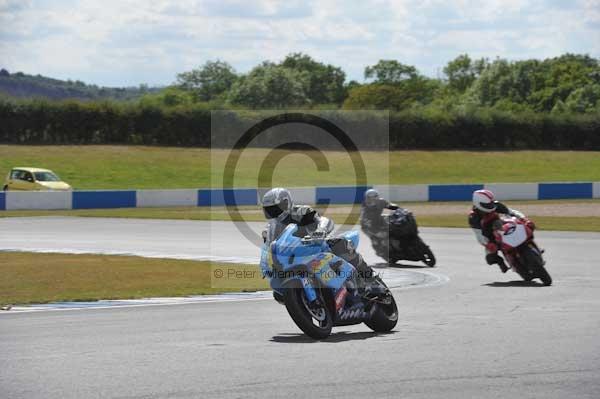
426,254
429,257
543,274
315,320
385,315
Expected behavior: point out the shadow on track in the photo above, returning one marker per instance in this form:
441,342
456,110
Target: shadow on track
342,336
516,283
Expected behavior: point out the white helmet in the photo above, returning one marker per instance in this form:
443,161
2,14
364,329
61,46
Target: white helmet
277,203
484,201
371,197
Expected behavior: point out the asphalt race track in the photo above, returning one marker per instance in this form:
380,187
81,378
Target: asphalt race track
482,334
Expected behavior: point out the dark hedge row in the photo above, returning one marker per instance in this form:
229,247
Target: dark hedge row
107,123
496,130
89,123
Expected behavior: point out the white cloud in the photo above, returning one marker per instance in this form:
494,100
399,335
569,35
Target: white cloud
592,11
13,5
120,42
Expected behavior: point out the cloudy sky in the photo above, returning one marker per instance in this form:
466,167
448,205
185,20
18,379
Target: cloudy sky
128,42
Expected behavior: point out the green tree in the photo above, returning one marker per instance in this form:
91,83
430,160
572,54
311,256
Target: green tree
494,83
210,81
584,99
351,85
270,86
168,97
461,72
526,79
325,82
537,85
559,108
561,76
390,72
508,105
403,95
375,97
394,86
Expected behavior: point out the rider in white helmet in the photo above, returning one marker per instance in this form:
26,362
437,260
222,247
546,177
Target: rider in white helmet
279,209
484,213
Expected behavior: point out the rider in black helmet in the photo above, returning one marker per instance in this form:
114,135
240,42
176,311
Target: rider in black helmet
372,222
371,219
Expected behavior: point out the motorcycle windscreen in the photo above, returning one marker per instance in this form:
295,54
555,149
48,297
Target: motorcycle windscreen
353,237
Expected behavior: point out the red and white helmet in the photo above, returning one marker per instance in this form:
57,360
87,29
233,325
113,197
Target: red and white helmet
484,201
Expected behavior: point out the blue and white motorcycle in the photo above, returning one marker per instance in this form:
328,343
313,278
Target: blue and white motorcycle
319,289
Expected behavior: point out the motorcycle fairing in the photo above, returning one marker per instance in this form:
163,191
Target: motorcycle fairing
513,234
289,257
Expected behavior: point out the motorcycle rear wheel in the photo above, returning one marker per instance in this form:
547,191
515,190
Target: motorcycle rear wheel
304,315
425,253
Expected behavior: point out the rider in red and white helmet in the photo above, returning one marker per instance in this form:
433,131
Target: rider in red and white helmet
485,211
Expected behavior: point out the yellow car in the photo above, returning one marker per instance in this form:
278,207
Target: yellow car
34,179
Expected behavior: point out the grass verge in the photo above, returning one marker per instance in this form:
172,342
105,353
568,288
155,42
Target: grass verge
137,167
41,278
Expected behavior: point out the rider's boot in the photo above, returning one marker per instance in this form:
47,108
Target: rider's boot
502,265
492,258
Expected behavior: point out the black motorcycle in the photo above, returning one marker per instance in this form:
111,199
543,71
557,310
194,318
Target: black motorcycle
403,241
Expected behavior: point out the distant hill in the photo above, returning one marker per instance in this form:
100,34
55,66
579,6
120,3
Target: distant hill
20,85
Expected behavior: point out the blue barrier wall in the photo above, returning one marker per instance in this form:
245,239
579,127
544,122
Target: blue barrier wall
565,190
219,197
103,199
308,195
340,195
453,192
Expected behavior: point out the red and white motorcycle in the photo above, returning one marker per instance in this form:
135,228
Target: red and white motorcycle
515,238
